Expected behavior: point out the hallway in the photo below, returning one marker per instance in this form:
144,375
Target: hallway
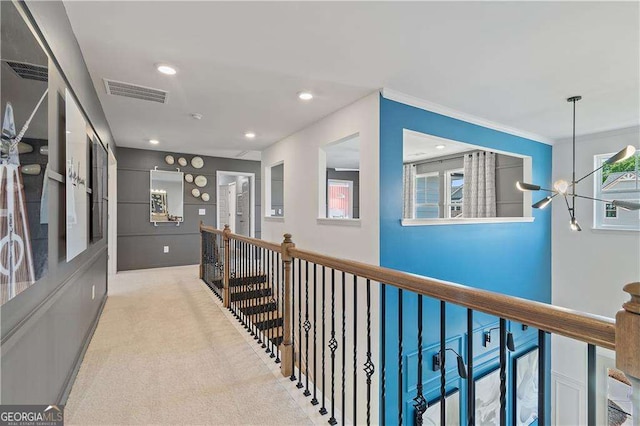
165,352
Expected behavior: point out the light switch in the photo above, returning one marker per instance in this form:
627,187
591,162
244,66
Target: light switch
202,212
166,249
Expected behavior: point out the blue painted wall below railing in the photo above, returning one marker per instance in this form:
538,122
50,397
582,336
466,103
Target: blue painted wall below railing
509,258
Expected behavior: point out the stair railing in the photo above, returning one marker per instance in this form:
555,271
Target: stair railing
301,284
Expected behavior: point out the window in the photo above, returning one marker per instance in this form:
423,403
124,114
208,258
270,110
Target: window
619,181
339,199
339,192
455,188
274,187
427,196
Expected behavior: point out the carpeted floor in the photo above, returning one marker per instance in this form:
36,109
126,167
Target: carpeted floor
164,352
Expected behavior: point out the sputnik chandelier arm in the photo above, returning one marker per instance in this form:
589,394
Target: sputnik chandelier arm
568,189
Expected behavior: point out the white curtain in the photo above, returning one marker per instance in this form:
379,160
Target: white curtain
409,181
479,193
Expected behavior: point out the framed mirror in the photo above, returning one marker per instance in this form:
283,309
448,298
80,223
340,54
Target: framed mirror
166,197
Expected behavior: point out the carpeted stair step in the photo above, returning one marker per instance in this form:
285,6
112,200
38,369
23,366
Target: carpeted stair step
262,308
237,296
270,323
241,281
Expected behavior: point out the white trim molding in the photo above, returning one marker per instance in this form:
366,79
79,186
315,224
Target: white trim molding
464,221
413,101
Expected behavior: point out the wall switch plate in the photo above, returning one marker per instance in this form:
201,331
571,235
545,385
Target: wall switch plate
273,212
202,212
166,249
93,292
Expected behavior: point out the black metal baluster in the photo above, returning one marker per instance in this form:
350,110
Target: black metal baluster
368,365
323,409
542,378
293,377
503,372
299,385
279,301
400,359
314,400
443,357
232,274
383,354
419,403
333,345
355,349
470,395
591,385
247,253
344,346
270,285
307,327
263,302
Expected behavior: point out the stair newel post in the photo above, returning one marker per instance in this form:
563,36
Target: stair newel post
628,343
286,348
226,293
201,272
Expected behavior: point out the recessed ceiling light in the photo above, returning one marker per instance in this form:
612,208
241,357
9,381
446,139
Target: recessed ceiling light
154,141
166,69
439,146
249,135
196,116
305,96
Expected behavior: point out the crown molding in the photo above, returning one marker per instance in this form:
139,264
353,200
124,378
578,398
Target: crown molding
413,101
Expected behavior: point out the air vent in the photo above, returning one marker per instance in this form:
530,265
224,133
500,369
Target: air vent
118,88
29,71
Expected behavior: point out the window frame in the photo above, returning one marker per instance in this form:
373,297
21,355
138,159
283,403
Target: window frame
615,223
349,184
447,193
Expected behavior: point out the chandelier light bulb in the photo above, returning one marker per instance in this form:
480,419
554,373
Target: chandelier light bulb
561,186
574,225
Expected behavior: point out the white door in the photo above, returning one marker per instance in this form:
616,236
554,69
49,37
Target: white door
223,206
232,206
112,222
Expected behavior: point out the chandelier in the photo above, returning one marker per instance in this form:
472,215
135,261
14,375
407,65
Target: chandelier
567,190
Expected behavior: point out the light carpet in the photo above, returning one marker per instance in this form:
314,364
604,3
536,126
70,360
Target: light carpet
164,352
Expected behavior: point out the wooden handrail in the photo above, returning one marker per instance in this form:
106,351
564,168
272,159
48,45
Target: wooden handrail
581,326
588,328
210,229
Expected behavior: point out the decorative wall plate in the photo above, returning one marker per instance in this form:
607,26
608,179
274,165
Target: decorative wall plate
197,162
188,177
182,161
201,181
169,159
205,196
195,192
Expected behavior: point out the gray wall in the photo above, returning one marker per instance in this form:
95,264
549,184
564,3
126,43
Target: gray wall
355,178
45,329
508,170
140,243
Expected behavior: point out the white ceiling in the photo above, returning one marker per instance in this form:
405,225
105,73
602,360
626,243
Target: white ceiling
419,146
241,64
344,154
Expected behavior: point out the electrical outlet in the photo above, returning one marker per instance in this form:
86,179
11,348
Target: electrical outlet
93,292
166,249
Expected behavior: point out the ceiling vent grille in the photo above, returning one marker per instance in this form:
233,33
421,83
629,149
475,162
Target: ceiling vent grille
118,88
29,71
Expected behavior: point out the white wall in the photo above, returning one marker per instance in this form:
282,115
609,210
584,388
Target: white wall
589,268
357,241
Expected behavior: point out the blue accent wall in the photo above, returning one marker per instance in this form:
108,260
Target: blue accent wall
509,258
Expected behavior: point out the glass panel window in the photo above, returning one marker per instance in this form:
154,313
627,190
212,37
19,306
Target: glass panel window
427,196
455,188
620,181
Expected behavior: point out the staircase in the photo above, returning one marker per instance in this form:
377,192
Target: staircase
256,303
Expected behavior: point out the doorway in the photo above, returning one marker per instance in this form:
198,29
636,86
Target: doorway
236,202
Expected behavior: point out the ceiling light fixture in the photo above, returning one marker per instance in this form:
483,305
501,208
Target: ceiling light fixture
196,116
305,96
568,189
154,141
166,69
250,135
440,146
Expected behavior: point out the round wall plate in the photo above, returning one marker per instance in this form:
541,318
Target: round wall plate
197,162
201,181
188,177
195,192
169,159
182,161
205,196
